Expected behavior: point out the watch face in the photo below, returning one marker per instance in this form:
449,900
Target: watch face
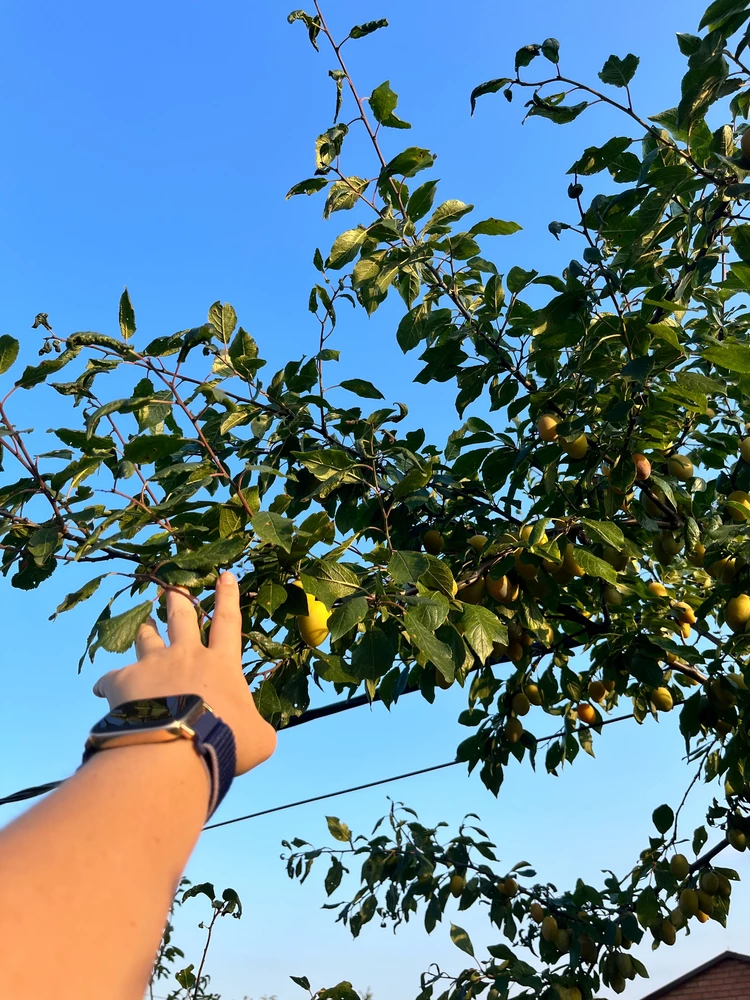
148,713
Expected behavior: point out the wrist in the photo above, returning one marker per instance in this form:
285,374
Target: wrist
175,768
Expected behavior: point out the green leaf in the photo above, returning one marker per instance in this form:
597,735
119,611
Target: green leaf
551,50
344,195
44,543
361,387
689,44
526,55
383,102
302,981
360,30
518,279
647,907
218,553
223,318
481,627
551,109
78,596
619,72
605,532
735,357
327,463
310,186
594,566
409,162
450,211
312,24
332,880
328,145
346,616
117,634
274,529
420,203
271,595
494,227
149,448
194,338
34,374
338,580
267,699
8,352
373,655
425,640
490,87
127,316
663,818
407,567
345,248
719,12
461,940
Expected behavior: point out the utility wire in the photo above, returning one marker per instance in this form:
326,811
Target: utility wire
331,795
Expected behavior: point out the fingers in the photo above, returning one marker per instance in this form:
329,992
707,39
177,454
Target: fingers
226,623
182,620
103,686
148,639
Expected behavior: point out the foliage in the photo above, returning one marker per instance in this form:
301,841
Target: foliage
597,509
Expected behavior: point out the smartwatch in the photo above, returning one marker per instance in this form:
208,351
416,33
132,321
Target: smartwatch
160,720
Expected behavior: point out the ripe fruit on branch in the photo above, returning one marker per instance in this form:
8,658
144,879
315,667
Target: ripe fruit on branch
547,427
533,693
504,590
586,714
472,593
597,691
657,589
513,730
433,542
549,928
680,467
457,885
680,866
724,569
685,613
661,699
478,542
652,508
313,627
743,499
520,704
576,449
642,466
745,450
737,612
617,560
612,596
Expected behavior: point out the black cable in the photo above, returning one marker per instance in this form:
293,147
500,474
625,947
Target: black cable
331,795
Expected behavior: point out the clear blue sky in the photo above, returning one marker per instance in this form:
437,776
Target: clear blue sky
152,146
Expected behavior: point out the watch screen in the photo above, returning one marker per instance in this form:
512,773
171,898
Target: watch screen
148,713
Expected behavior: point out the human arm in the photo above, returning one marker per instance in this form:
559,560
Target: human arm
87,876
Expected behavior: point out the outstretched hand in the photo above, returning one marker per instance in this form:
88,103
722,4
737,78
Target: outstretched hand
186,666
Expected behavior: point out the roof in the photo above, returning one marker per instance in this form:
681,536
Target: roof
723,957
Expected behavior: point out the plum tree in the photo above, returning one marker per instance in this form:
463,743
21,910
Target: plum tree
600,457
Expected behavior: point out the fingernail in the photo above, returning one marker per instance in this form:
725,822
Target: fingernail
227,579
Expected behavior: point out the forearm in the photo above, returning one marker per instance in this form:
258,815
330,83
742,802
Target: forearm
87,876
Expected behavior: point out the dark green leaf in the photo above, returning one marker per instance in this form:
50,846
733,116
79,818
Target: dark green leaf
425,640
551,50
461,940
409,162
481,627
360,30
346,616
735,357
345,248
274,529
594,566
494,227
127,316
663,818
490,87
8,352
619,72
361,387
420,202
218,553
407,567
310,186
117,634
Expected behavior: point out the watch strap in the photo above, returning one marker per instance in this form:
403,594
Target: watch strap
214,740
